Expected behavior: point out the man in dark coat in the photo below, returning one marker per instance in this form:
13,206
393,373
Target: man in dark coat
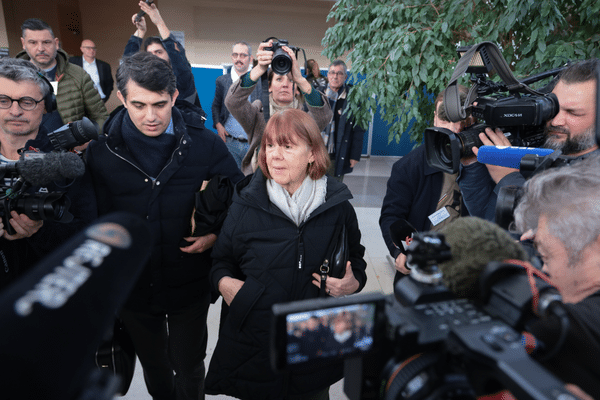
343,137
153,159
98,70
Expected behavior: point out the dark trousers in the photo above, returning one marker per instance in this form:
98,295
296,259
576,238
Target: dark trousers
171,349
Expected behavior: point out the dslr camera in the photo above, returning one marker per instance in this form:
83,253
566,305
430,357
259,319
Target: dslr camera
282,62
520,112
422,342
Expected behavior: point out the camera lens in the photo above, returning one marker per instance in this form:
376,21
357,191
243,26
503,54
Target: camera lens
444,148
282,62
45,207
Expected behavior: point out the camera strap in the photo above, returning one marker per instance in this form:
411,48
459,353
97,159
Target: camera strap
491,55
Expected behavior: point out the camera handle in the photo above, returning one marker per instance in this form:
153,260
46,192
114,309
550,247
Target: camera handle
493,59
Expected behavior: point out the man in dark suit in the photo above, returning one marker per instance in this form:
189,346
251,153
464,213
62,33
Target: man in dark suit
343,137
98,70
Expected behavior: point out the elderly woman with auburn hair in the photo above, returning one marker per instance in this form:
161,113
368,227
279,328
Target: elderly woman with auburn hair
274,240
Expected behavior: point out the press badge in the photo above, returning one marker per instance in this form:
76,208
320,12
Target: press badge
439,216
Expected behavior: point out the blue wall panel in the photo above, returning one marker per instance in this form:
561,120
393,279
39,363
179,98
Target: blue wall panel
205,85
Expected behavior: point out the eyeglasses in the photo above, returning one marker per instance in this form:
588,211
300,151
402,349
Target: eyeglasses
335,73
89,47
26,103
240,55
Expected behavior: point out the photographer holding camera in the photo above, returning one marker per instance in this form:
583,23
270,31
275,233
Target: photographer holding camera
571,131
282,90
560,209
23,96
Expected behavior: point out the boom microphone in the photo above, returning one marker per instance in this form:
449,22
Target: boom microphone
43,168
508,156
54,318
474,242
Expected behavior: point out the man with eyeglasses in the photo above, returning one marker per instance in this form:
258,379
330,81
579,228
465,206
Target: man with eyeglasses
343,137
76,96
227,126
98,70
23,92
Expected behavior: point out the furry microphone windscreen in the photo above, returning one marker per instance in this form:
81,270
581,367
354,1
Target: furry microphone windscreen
474,242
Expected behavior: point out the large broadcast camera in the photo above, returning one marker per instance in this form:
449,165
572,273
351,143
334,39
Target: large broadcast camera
40,169
521,113
422,342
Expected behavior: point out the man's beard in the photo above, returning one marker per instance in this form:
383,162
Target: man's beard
572,144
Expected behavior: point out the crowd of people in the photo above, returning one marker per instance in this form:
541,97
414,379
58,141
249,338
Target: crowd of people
283,142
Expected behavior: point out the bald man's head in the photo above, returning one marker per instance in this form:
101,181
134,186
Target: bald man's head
88,49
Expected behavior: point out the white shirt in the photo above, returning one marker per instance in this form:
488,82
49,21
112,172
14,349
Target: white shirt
92,70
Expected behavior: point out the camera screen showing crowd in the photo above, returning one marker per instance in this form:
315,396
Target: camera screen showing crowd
327,334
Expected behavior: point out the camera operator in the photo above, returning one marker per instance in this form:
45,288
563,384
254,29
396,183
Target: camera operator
416,191
282,89
23,93
561,207
571,131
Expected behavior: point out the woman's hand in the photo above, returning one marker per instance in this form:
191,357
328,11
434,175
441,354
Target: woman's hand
297,77
337,287
264,58
229,287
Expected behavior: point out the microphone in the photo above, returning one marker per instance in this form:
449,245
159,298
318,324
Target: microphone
54,318
401,232
474,242
40,169
508,156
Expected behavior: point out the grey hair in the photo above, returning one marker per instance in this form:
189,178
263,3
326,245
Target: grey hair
19,70
568,198
340,62
245,44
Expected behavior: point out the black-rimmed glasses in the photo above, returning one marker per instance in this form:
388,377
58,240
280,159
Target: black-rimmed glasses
26,103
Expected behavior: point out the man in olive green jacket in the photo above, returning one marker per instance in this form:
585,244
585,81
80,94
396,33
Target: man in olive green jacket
76,96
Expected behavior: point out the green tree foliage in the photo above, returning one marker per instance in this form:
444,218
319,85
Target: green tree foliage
404,47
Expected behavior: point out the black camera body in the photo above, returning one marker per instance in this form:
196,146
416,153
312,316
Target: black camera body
519,111
74,134
521,118
17,178
422,342
282,62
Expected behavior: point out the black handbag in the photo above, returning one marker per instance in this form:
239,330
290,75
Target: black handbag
334,264
117,355
211,205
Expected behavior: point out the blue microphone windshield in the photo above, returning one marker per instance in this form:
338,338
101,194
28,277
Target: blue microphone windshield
507,156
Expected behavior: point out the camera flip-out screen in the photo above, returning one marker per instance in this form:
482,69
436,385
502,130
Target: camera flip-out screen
307,333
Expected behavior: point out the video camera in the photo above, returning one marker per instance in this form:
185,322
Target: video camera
39,169
521,114
422,342
282,62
